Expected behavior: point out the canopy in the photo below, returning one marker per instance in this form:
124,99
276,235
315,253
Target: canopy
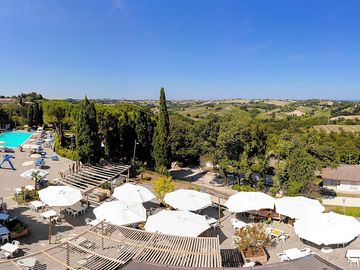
60,195
133,193
249,201
28,173
120,213
327,228
298,207
186,199
181,223
28,163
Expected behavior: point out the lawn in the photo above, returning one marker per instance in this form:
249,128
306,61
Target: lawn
350,211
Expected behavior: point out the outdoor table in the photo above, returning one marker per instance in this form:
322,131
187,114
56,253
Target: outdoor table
353,253
3,217
4,231
276,233
37,204
49,214
9,248
27,262
293,253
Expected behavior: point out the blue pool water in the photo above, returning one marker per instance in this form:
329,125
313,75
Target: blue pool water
14,139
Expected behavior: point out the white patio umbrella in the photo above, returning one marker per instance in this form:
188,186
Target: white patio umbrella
186,199
249,201
60,196
28,174
327,228
30,146
298,207
133,193
35,156
120,213
181,223
28,163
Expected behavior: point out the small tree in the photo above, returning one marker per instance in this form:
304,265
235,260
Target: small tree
163,185
35,177
252,238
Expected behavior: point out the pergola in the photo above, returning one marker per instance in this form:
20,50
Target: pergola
109,247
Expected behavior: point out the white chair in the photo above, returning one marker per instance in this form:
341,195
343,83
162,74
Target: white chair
282,257
88,221
4,237
268,230
15,243
354,260
249,264
283,237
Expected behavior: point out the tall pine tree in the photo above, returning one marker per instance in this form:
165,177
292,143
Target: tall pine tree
161,145
87,134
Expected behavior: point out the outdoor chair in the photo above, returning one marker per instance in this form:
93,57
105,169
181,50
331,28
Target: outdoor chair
5,237
88,221
354,260
5,255
284,237
282,257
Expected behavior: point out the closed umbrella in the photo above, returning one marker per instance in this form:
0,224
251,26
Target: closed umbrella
133,193
249,201
185,199
28,174
181,223
120,213
60,196
298,207
327,228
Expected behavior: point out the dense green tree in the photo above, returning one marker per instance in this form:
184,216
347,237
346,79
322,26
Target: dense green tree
144,133
161,145
87,134
30,115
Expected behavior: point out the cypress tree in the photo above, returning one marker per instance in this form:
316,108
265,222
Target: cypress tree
144,134
30,115
87,134
161,145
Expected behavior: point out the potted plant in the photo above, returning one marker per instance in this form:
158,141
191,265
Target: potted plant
251,242
17,229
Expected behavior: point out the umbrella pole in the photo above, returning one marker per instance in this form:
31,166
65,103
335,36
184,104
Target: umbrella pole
219,210
49,230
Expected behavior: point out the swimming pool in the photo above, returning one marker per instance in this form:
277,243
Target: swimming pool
14,138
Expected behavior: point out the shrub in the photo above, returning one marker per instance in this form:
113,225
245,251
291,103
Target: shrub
246,188
163,185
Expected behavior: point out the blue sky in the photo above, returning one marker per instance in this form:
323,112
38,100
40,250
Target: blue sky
194,48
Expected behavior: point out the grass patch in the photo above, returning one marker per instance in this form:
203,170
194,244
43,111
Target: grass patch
350,211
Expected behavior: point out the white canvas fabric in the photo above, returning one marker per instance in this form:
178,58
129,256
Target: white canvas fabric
119,213
28,174
249,201
60,196
185,199
327,228
181,223
298,207
133,193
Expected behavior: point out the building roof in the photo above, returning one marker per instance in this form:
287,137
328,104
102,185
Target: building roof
311,262
110,247
342,173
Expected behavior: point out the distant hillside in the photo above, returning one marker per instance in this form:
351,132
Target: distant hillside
338,128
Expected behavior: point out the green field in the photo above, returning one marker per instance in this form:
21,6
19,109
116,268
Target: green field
338,128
